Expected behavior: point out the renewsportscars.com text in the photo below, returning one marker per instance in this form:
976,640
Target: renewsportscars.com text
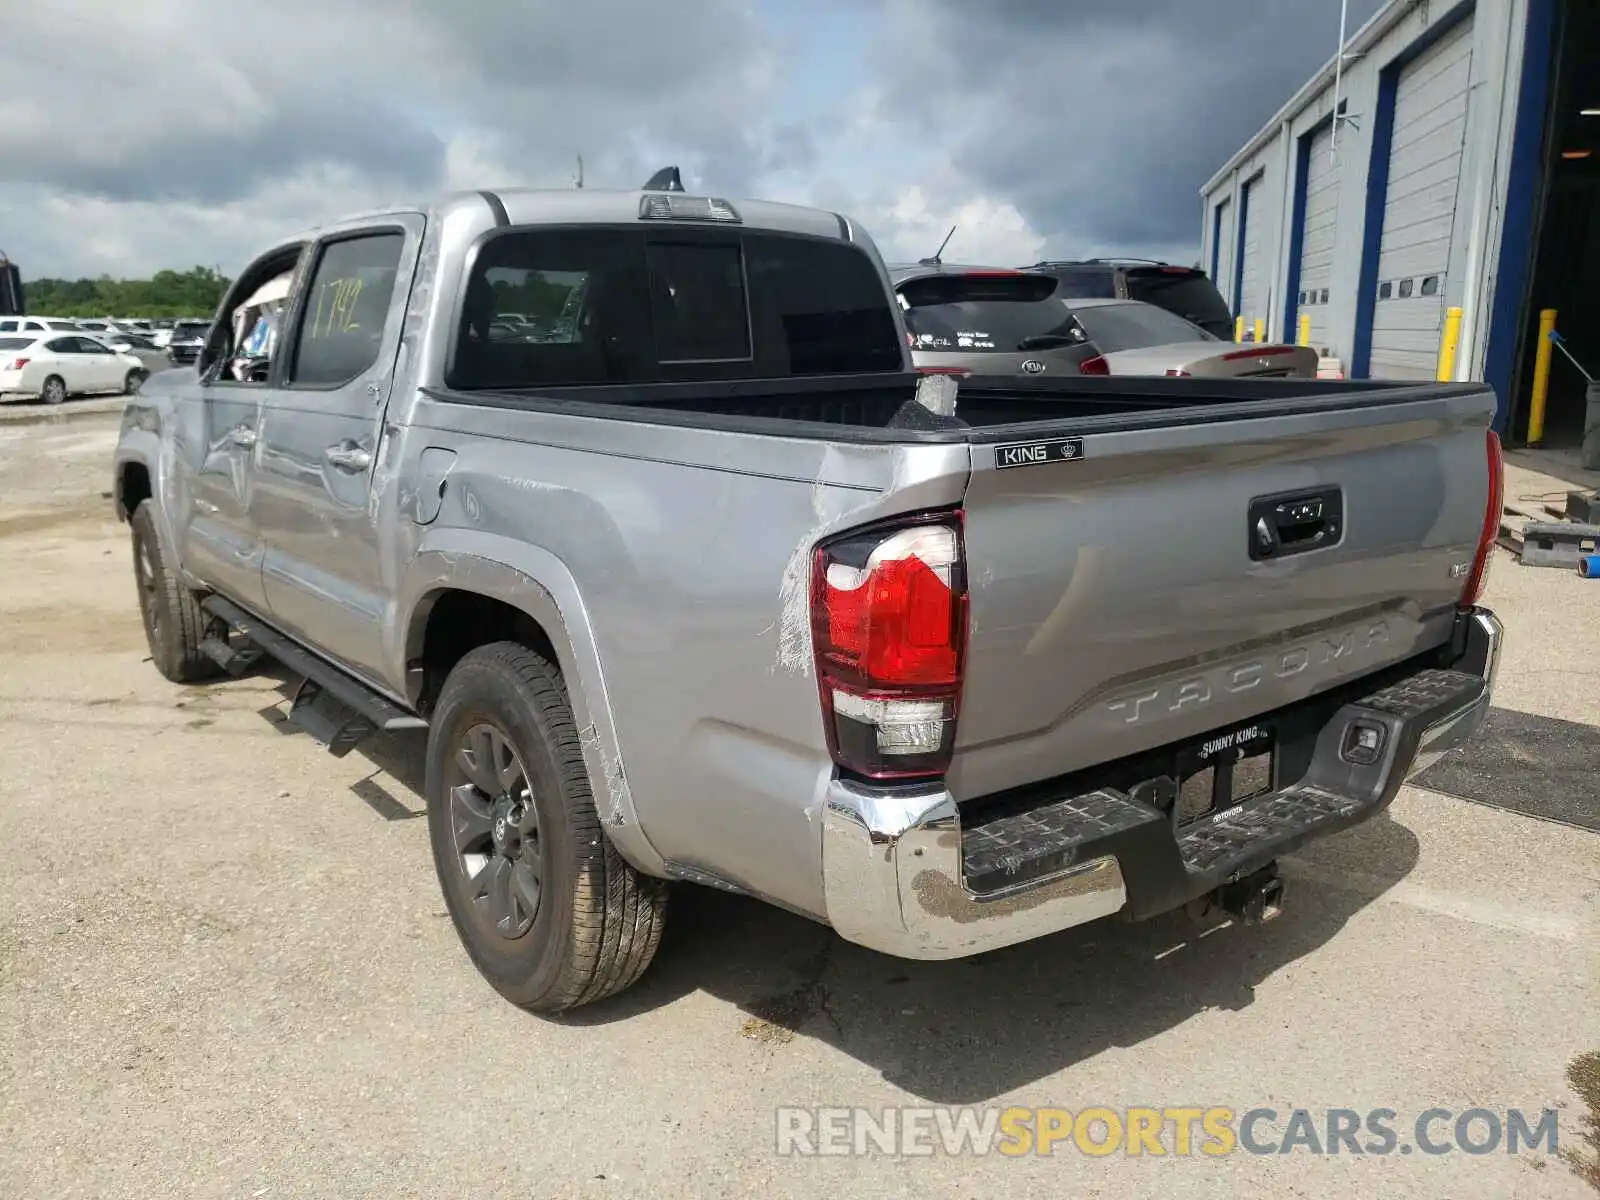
1174,1131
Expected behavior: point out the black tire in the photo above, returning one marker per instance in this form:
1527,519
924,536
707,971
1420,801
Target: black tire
134,381
173,622
54,390
595,922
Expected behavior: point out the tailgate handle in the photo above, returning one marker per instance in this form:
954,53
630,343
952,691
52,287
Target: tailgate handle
1294,523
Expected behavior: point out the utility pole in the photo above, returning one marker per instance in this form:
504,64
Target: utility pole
1339,115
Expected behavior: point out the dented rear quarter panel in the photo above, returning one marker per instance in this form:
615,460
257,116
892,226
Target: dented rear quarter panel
680,562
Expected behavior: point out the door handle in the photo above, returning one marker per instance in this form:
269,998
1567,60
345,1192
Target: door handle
348,457
243,435
1295,522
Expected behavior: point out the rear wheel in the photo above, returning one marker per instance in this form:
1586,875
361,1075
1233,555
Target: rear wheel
54,390
174,625
548,910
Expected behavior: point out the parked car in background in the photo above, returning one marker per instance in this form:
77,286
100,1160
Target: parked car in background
186,341
1187,291
985,321
146,351
989,321
36,326
53,368
1134,338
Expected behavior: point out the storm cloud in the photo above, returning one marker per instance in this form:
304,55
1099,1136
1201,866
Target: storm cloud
180,131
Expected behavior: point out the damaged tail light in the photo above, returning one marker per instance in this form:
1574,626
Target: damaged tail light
1479,575
889,624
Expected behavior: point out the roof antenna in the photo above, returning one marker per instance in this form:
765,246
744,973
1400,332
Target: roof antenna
665,180
577,180
936,261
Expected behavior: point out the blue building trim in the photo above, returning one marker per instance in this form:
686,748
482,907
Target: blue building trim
1513,276
1216,240
1297,228
1378,181
1239,240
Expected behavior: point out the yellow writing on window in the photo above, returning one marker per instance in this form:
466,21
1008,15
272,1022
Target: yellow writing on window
334,311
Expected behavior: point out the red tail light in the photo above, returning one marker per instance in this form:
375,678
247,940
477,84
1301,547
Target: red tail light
16,364
1094,366
1479,575
889,624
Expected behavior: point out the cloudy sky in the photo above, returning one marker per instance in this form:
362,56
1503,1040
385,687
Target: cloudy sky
166,133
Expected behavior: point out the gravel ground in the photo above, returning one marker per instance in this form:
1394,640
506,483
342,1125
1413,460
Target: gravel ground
225,969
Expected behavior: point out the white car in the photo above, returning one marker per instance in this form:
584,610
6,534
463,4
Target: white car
53,368
36,326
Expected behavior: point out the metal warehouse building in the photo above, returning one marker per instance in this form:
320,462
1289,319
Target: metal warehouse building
1449,157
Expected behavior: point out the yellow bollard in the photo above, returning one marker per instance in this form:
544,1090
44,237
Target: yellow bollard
1541,377
1305,329
1238,329
1447,345
1261,331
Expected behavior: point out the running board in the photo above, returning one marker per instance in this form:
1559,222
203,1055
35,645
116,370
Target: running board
334,708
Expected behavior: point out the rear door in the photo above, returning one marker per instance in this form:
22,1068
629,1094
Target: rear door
1119,601
102,365
1186,292
321,435
991,323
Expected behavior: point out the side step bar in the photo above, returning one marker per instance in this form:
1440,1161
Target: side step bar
337,710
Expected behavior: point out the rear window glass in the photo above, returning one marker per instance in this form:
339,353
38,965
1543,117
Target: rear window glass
1086,283
698,302
564,308
980,314
15,343
1114,327
1188,293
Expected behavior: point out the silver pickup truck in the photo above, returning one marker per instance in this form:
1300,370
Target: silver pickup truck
634,502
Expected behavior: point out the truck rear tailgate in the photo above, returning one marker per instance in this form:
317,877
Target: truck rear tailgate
1118,604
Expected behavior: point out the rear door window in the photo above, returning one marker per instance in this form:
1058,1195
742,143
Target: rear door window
1187,293
986,314
1113,327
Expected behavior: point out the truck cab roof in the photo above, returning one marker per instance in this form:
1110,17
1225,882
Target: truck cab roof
593,206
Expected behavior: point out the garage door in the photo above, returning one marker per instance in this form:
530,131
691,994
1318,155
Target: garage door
1430,121
1318,233
1222,249
1252,301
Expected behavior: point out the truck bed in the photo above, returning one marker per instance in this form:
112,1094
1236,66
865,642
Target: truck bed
865,408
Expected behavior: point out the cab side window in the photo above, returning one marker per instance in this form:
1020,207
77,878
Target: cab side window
345,308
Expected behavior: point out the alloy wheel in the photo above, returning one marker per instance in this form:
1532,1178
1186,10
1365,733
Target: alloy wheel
494,825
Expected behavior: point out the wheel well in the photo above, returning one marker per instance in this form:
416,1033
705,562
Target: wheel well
133,487
458,623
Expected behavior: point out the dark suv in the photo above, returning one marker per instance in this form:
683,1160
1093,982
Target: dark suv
1186,291
188,339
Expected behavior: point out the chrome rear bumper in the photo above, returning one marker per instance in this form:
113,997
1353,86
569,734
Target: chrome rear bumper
893,860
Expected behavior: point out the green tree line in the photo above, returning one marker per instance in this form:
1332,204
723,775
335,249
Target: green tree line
192,293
